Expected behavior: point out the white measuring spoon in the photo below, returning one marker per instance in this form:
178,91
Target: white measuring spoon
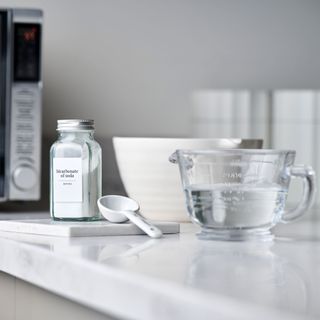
118,209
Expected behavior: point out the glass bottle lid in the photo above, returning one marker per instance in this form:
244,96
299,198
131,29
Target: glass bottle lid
75,124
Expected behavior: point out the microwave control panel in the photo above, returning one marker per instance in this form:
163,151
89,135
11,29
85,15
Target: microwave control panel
25,142
26,107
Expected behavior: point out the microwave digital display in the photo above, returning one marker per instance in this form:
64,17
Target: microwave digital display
26,52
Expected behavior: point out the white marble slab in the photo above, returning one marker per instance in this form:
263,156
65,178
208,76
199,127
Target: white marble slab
80,229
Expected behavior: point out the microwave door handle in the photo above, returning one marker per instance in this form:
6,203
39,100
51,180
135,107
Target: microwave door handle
5,80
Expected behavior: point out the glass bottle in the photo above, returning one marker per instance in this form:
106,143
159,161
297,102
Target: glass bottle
75,172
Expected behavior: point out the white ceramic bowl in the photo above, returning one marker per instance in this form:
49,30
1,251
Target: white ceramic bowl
153,181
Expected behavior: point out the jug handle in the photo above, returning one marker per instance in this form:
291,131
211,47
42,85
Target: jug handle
307,174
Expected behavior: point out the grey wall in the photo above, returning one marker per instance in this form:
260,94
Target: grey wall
133,64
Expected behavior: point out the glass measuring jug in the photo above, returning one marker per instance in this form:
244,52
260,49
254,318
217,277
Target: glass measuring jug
241,194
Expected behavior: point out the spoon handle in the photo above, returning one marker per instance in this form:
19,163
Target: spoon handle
147,227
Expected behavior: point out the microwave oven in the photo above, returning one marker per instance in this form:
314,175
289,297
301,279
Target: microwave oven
20,104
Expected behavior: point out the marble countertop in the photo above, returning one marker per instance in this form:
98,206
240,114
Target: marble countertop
176,277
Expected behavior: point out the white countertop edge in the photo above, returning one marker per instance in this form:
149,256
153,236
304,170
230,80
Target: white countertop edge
120,293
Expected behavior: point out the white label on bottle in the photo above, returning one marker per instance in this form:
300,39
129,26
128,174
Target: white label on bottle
67,176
